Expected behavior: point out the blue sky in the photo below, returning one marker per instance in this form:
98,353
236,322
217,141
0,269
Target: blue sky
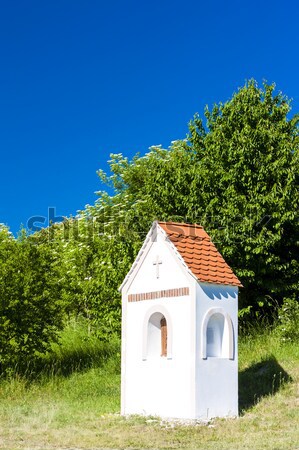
82,79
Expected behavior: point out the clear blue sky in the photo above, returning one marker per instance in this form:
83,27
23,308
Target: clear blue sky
80,79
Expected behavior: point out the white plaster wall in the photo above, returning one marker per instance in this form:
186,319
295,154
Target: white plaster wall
216,378
158,385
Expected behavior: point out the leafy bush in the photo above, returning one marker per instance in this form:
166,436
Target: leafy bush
288,317
31,312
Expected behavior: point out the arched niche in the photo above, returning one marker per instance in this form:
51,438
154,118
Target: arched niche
217,335
157,334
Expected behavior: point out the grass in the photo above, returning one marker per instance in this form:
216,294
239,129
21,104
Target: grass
73,402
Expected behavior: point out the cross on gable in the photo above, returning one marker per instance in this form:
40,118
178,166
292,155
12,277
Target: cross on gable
156,263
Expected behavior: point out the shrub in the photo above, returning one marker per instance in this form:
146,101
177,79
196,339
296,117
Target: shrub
31,312
288,317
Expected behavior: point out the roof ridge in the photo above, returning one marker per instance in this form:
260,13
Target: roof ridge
195,225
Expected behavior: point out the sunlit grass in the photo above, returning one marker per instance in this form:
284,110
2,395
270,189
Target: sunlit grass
73,401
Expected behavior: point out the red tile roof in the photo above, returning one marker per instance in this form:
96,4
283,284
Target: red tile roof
199,253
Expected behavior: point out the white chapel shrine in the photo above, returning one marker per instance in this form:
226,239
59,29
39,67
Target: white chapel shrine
179,327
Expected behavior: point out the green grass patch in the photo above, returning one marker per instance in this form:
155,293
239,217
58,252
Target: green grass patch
72,400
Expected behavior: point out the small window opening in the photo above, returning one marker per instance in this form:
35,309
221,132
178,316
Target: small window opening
217,338
157,336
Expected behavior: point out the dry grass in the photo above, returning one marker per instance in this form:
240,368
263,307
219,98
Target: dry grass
80,410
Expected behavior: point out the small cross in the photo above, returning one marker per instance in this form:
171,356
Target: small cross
156,263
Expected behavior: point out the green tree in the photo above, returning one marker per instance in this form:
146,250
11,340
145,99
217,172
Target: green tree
31,312
237,175
248,179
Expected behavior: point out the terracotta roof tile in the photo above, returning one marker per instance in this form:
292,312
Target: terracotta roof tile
199,253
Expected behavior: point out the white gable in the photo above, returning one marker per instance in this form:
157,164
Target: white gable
157,266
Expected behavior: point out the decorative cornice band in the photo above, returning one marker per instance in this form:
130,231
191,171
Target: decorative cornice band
179,292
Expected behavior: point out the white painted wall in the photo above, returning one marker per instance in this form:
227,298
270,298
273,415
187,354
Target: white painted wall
158,385
151,384
217,377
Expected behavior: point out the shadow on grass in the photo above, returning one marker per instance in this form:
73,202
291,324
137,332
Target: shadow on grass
260,380
66,361
79,360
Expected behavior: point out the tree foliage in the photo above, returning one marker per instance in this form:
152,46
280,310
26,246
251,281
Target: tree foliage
237,175
31,311
248,179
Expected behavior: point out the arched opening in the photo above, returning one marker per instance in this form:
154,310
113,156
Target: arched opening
157,335
217,335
